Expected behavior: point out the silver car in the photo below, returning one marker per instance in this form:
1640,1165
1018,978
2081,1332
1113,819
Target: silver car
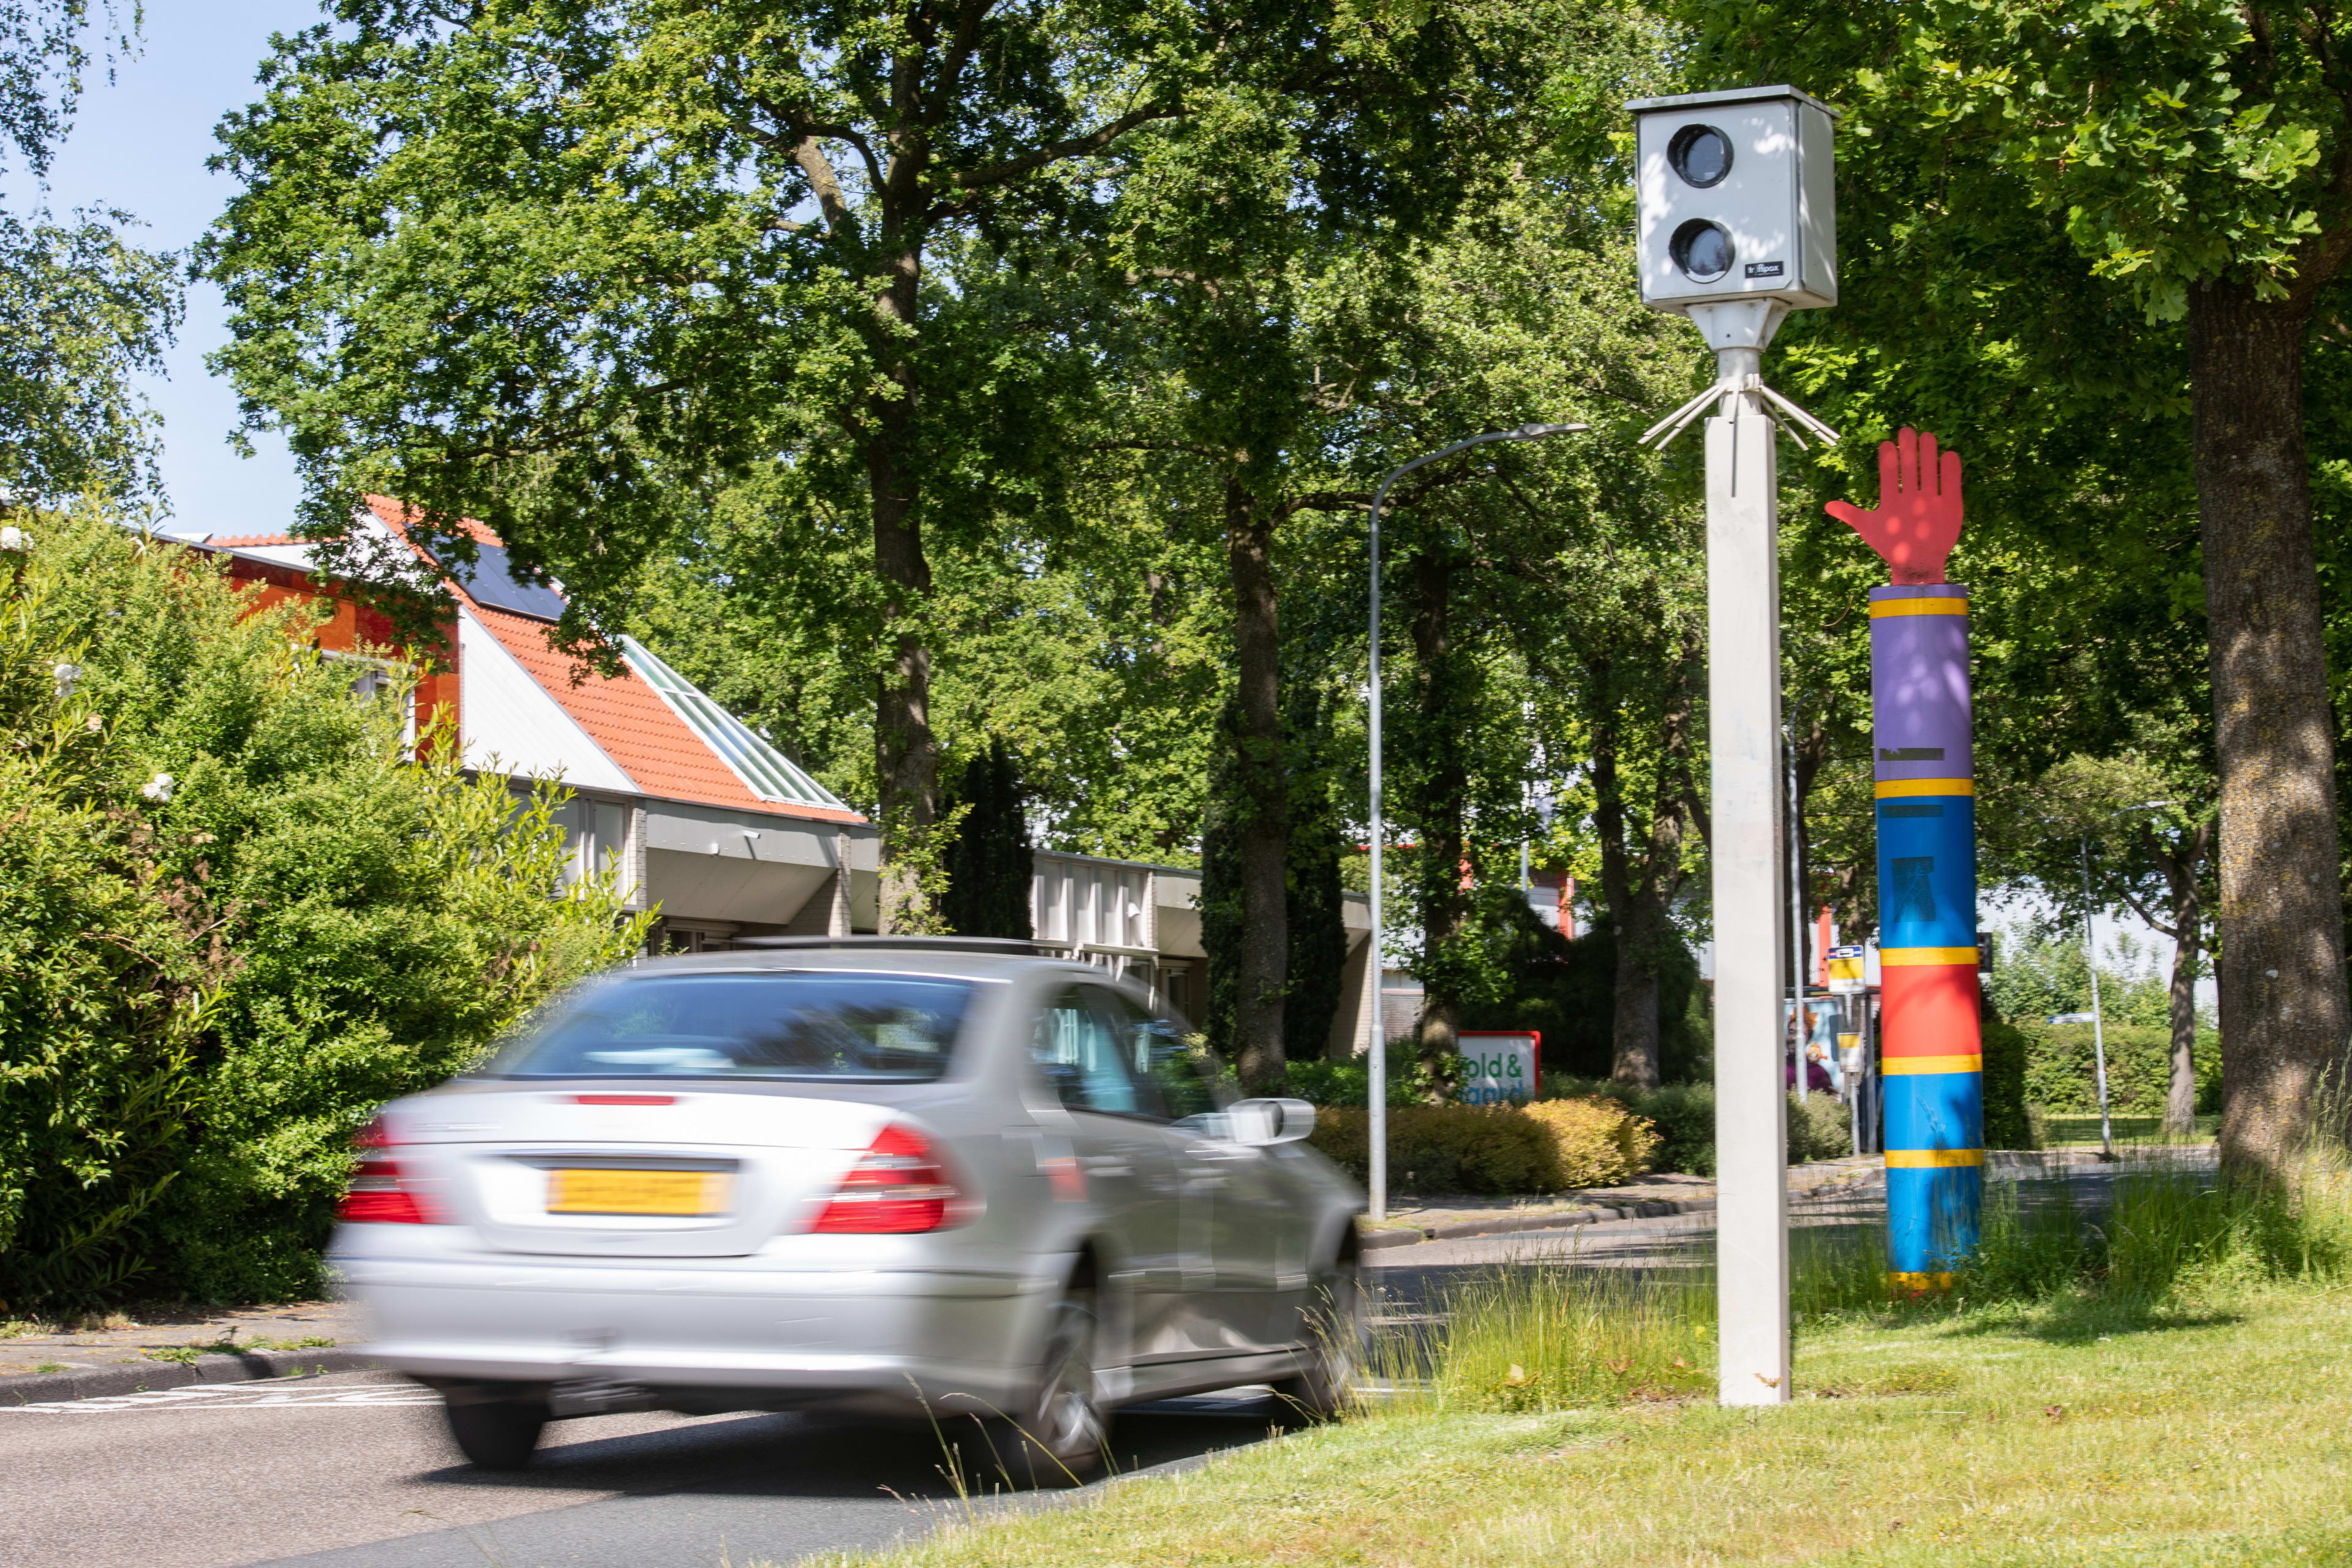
880,1176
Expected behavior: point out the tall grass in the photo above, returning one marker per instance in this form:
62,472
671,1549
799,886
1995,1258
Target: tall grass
2168,1233
1535,1337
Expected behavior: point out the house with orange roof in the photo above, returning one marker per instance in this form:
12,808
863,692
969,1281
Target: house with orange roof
706,821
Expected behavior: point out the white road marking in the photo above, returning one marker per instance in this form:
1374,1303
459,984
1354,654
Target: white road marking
237,1397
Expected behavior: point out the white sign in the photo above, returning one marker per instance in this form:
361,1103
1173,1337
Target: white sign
1498,1065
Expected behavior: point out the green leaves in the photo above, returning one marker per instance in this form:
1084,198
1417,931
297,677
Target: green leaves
201,997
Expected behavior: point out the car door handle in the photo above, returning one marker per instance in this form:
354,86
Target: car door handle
1107,1165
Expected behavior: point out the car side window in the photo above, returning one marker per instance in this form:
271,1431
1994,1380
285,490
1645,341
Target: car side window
1182,1076
1078,1051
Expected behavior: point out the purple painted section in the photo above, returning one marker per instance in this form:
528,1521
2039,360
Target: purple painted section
1919,688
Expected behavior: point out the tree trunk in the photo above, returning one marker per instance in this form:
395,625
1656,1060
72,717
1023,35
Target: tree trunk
2280,926
2181,1094
1265,836
906,752
1633,1024
1633,1019
1444,779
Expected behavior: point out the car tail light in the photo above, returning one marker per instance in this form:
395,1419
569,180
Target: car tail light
624,1100
379,1194
899,1184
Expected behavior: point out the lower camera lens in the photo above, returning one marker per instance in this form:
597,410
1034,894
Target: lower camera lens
1702,249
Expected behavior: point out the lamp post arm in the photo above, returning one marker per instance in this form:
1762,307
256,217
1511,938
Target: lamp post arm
1376,1045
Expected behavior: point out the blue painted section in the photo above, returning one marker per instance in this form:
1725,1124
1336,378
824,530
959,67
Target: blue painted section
1934,1111
1933,1219
1927,871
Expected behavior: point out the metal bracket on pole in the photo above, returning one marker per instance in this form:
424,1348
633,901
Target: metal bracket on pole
1680,419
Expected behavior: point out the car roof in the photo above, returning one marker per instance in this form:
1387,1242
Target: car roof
972,958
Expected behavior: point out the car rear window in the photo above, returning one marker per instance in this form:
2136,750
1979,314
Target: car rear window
874,1029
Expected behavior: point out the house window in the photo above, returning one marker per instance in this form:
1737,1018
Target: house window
595,839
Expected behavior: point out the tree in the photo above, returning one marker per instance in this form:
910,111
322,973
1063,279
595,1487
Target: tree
2197,160
569,268
82,311
990,863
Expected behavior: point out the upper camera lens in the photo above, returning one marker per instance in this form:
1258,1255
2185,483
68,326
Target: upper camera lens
1701,154
1702,250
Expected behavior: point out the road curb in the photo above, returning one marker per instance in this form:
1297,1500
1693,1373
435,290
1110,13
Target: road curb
149,1377
1505,1225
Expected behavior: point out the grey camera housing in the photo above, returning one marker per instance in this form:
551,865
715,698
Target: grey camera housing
1775,204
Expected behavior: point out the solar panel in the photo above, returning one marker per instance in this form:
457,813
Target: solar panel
765,772
491,582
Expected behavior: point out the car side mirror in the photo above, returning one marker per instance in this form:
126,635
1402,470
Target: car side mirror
1261,1121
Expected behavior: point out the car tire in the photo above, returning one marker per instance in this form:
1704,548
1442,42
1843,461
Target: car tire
1335,1333
1058,1441
497,1433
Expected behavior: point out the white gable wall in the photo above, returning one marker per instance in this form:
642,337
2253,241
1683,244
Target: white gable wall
507,723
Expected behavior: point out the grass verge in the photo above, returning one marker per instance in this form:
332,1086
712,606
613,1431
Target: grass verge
2222,1437
2167,1379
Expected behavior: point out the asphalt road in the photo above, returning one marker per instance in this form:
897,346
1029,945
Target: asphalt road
354,1471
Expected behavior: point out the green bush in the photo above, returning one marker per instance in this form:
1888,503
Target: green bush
203,990
2007,1050
1821,1126
1412,1080
2061,1073
1552,1146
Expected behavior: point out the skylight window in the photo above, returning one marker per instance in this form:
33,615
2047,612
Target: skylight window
764,769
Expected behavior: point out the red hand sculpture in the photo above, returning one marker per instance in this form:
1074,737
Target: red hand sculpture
1918,516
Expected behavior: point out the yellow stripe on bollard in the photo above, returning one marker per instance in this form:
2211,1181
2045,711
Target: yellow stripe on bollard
1932,1159
1896,1067
1892,789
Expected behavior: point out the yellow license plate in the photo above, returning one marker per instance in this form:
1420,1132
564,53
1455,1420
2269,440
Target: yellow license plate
637,1192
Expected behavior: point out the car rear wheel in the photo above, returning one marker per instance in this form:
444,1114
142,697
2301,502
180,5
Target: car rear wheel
1059,1439
1335,1333
497,1432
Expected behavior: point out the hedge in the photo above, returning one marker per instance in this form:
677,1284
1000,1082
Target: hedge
1549,1146
2061,1073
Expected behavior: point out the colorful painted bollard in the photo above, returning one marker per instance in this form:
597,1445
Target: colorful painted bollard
1925,781
1499,1065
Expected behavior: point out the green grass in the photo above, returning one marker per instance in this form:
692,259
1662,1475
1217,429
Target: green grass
2169,1381
2072,1131
1980,1439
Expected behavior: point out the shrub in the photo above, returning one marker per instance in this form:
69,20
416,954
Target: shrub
1821,1126
1547,1147
2006,1124
1595,1141
1413,1078
205,990
2061,1070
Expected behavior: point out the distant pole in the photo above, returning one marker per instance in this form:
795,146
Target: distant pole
2099,1027
1796,927
1376,1034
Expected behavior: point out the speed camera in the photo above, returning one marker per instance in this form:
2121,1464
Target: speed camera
1735,198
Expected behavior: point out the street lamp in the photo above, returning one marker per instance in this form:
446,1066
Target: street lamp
1376,1034
2091,957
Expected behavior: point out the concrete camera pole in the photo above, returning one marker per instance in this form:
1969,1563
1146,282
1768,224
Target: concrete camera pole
1736,225
1743,661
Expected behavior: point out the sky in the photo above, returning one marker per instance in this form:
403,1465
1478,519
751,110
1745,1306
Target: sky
140,143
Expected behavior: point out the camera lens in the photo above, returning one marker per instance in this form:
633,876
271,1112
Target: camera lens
1702,250
1701,154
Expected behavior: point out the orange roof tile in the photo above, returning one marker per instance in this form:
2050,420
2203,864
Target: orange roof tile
625,716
